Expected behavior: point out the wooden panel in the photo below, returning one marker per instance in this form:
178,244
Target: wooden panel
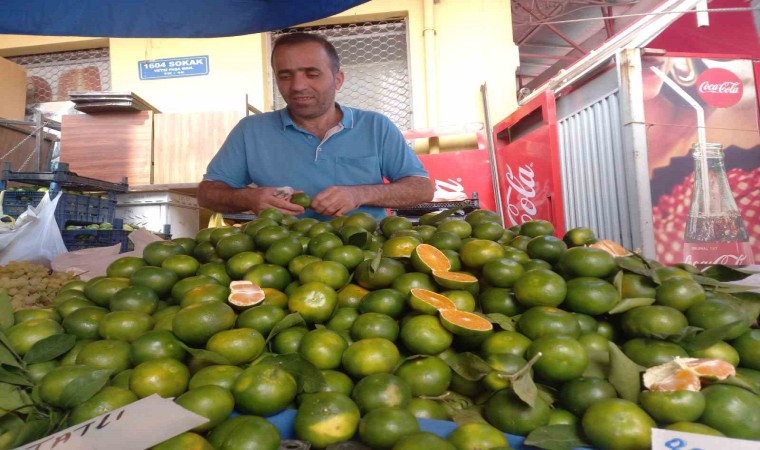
109,146
12,90
185,143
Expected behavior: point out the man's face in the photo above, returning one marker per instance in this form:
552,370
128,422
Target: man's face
305,79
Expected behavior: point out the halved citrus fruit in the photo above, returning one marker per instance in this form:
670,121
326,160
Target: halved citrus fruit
426,258
454,280
611,247
429,302
464,323
244,293
685,373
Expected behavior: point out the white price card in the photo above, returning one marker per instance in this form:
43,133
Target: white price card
139,425
679,440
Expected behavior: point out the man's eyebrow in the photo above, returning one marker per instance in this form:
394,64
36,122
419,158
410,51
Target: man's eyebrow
300,69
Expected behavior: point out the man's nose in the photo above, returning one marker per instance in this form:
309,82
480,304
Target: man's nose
299,81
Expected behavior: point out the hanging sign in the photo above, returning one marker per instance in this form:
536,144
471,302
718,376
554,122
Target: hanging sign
187,66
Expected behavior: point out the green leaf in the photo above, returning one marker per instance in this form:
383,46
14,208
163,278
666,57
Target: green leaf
635,264
443,215
467,415
6,311
291,320
12,397
207,355
556,437
630,303
724,273
82,388
624,374
33,430
13,377
307,375
747,301
505,322
720,286
548,395
50,348
709,337
467,365
374,266
525,388
7,355
686,334
522,382
618,282
453,401
359,240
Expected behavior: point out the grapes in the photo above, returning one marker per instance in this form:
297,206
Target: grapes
31,285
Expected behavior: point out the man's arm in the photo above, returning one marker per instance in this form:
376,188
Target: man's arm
220,197
405,192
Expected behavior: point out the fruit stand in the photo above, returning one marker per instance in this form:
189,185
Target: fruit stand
442,326
452,333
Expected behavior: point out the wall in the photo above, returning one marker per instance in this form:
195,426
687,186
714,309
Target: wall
235,68
473,45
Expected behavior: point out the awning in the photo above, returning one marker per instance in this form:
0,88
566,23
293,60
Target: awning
161,18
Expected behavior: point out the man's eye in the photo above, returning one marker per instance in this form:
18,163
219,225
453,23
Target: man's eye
283,76
313,74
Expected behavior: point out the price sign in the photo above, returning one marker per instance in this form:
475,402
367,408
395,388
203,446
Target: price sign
141,424
679,440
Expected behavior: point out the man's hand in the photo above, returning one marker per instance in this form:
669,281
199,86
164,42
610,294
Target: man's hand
218,196
268,197
336,201
340,200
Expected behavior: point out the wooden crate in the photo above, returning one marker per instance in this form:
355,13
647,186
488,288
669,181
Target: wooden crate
109,146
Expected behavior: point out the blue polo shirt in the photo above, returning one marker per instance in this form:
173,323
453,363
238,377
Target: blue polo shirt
270,150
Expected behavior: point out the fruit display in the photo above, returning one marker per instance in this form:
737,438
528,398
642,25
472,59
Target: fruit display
31,285
366,330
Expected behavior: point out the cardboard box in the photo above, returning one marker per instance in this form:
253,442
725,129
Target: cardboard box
153,210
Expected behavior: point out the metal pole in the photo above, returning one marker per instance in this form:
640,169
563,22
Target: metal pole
38,141
491,153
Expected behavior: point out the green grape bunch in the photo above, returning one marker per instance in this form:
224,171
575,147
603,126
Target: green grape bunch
32,285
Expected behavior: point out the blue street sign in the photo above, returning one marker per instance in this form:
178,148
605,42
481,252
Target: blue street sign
188,66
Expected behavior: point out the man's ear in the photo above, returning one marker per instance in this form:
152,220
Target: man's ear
339,79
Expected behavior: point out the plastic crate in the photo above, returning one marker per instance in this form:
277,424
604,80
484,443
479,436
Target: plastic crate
82,239
72,209
466,206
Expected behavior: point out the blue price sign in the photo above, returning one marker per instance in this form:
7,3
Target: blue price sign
188,66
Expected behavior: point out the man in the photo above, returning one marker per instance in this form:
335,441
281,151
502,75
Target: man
338,155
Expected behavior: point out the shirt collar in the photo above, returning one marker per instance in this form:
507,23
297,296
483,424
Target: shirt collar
347,121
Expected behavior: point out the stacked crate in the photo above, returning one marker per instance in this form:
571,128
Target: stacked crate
85,212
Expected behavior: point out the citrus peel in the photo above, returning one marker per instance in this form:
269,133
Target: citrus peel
685,373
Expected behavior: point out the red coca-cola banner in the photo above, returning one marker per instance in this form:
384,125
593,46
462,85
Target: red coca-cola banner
703,181
527,159
461,175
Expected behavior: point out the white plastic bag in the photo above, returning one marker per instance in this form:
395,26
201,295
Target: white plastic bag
36,237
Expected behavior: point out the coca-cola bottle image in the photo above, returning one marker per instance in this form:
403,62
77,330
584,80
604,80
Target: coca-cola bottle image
715,231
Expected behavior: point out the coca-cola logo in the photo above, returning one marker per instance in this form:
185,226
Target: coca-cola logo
448,187
520,192
720,88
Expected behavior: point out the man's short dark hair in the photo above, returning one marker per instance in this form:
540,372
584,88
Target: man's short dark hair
302,38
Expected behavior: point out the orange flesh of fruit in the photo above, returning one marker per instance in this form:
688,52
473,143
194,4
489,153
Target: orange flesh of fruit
684,374
432,257
433,299
466,320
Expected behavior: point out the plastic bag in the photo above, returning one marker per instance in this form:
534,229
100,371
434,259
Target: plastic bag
216,220
36,236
